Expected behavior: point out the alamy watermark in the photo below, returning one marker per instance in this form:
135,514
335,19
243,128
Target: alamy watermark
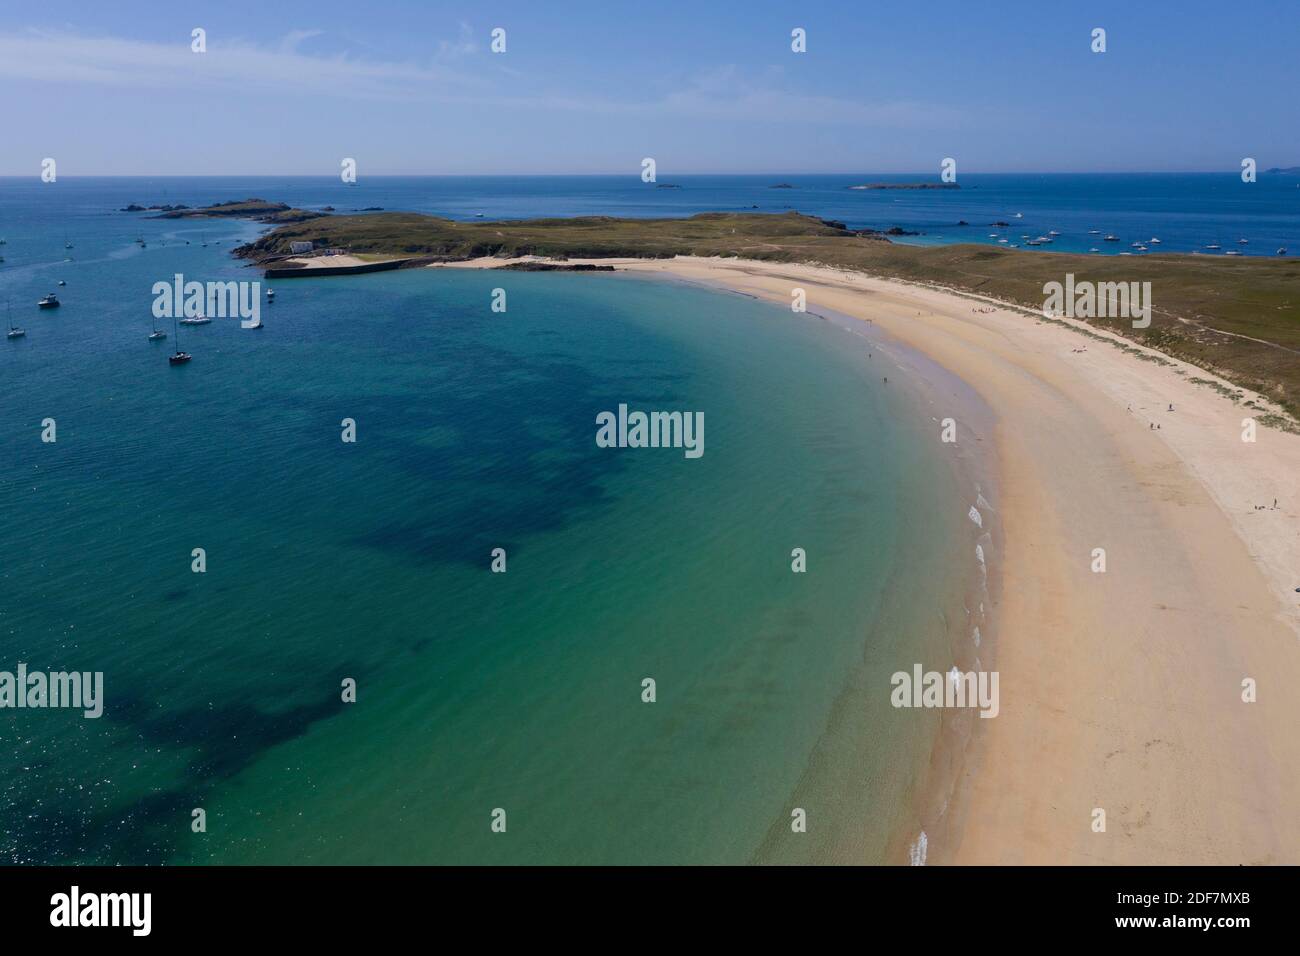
128,910
1098,300
179,299
651,430
976,689
37,689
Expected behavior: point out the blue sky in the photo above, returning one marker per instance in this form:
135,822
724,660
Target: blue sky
703,87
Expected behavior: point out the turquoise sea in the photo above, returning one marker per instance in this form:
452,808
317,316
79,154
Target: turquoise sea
327,561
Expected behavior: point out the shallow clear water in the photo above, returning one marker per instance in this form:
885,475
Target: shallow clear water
370,561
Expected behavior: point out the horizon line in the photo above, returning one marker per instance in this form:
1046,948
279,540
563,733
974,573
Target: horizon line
636,175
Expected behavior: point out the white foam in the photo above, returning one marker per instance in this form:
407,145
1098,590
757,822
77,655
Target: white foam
977,637
916,852
974,515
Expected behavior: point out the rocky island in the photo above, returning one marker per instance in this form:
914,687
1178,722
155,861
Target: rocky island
258,209
907,186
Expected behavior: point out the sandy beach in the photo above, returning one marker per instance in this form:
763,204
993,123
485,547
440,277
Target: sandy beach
330,262
1120,691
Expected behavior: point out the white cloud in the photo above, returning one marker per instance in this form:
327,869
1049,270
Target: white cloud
464,45
726,93
228,63
294,39
723,93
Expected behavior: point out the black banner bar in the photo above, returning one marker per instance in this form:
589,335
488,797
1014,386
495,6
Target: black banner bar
332,905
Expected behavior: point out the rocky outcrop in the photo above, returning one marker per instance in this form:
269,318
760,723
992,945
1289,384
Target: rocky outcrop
275,213
134,207
530,266
907,186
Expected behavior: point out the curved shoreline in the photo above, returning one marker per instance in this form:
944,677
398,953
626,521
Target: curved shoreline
1122,690
927,817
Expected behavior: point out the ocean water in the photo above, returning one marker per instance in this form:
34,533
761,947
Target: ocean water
1186,211
370,561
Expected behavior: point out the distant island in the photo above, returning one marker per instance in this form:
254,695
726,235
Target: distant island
1288,170
258,209
137,208
907,186
416,236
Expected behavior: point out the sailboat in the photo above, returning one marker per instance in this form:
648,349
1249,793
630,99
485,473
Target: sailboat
197,320
14,331
157,335
180,357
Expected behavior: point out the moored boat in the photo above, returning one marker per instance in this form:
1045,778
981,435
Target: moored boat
14,331
178,357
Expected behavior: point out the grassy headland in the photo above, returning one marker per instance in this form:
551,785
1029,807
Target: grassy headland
1236,316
